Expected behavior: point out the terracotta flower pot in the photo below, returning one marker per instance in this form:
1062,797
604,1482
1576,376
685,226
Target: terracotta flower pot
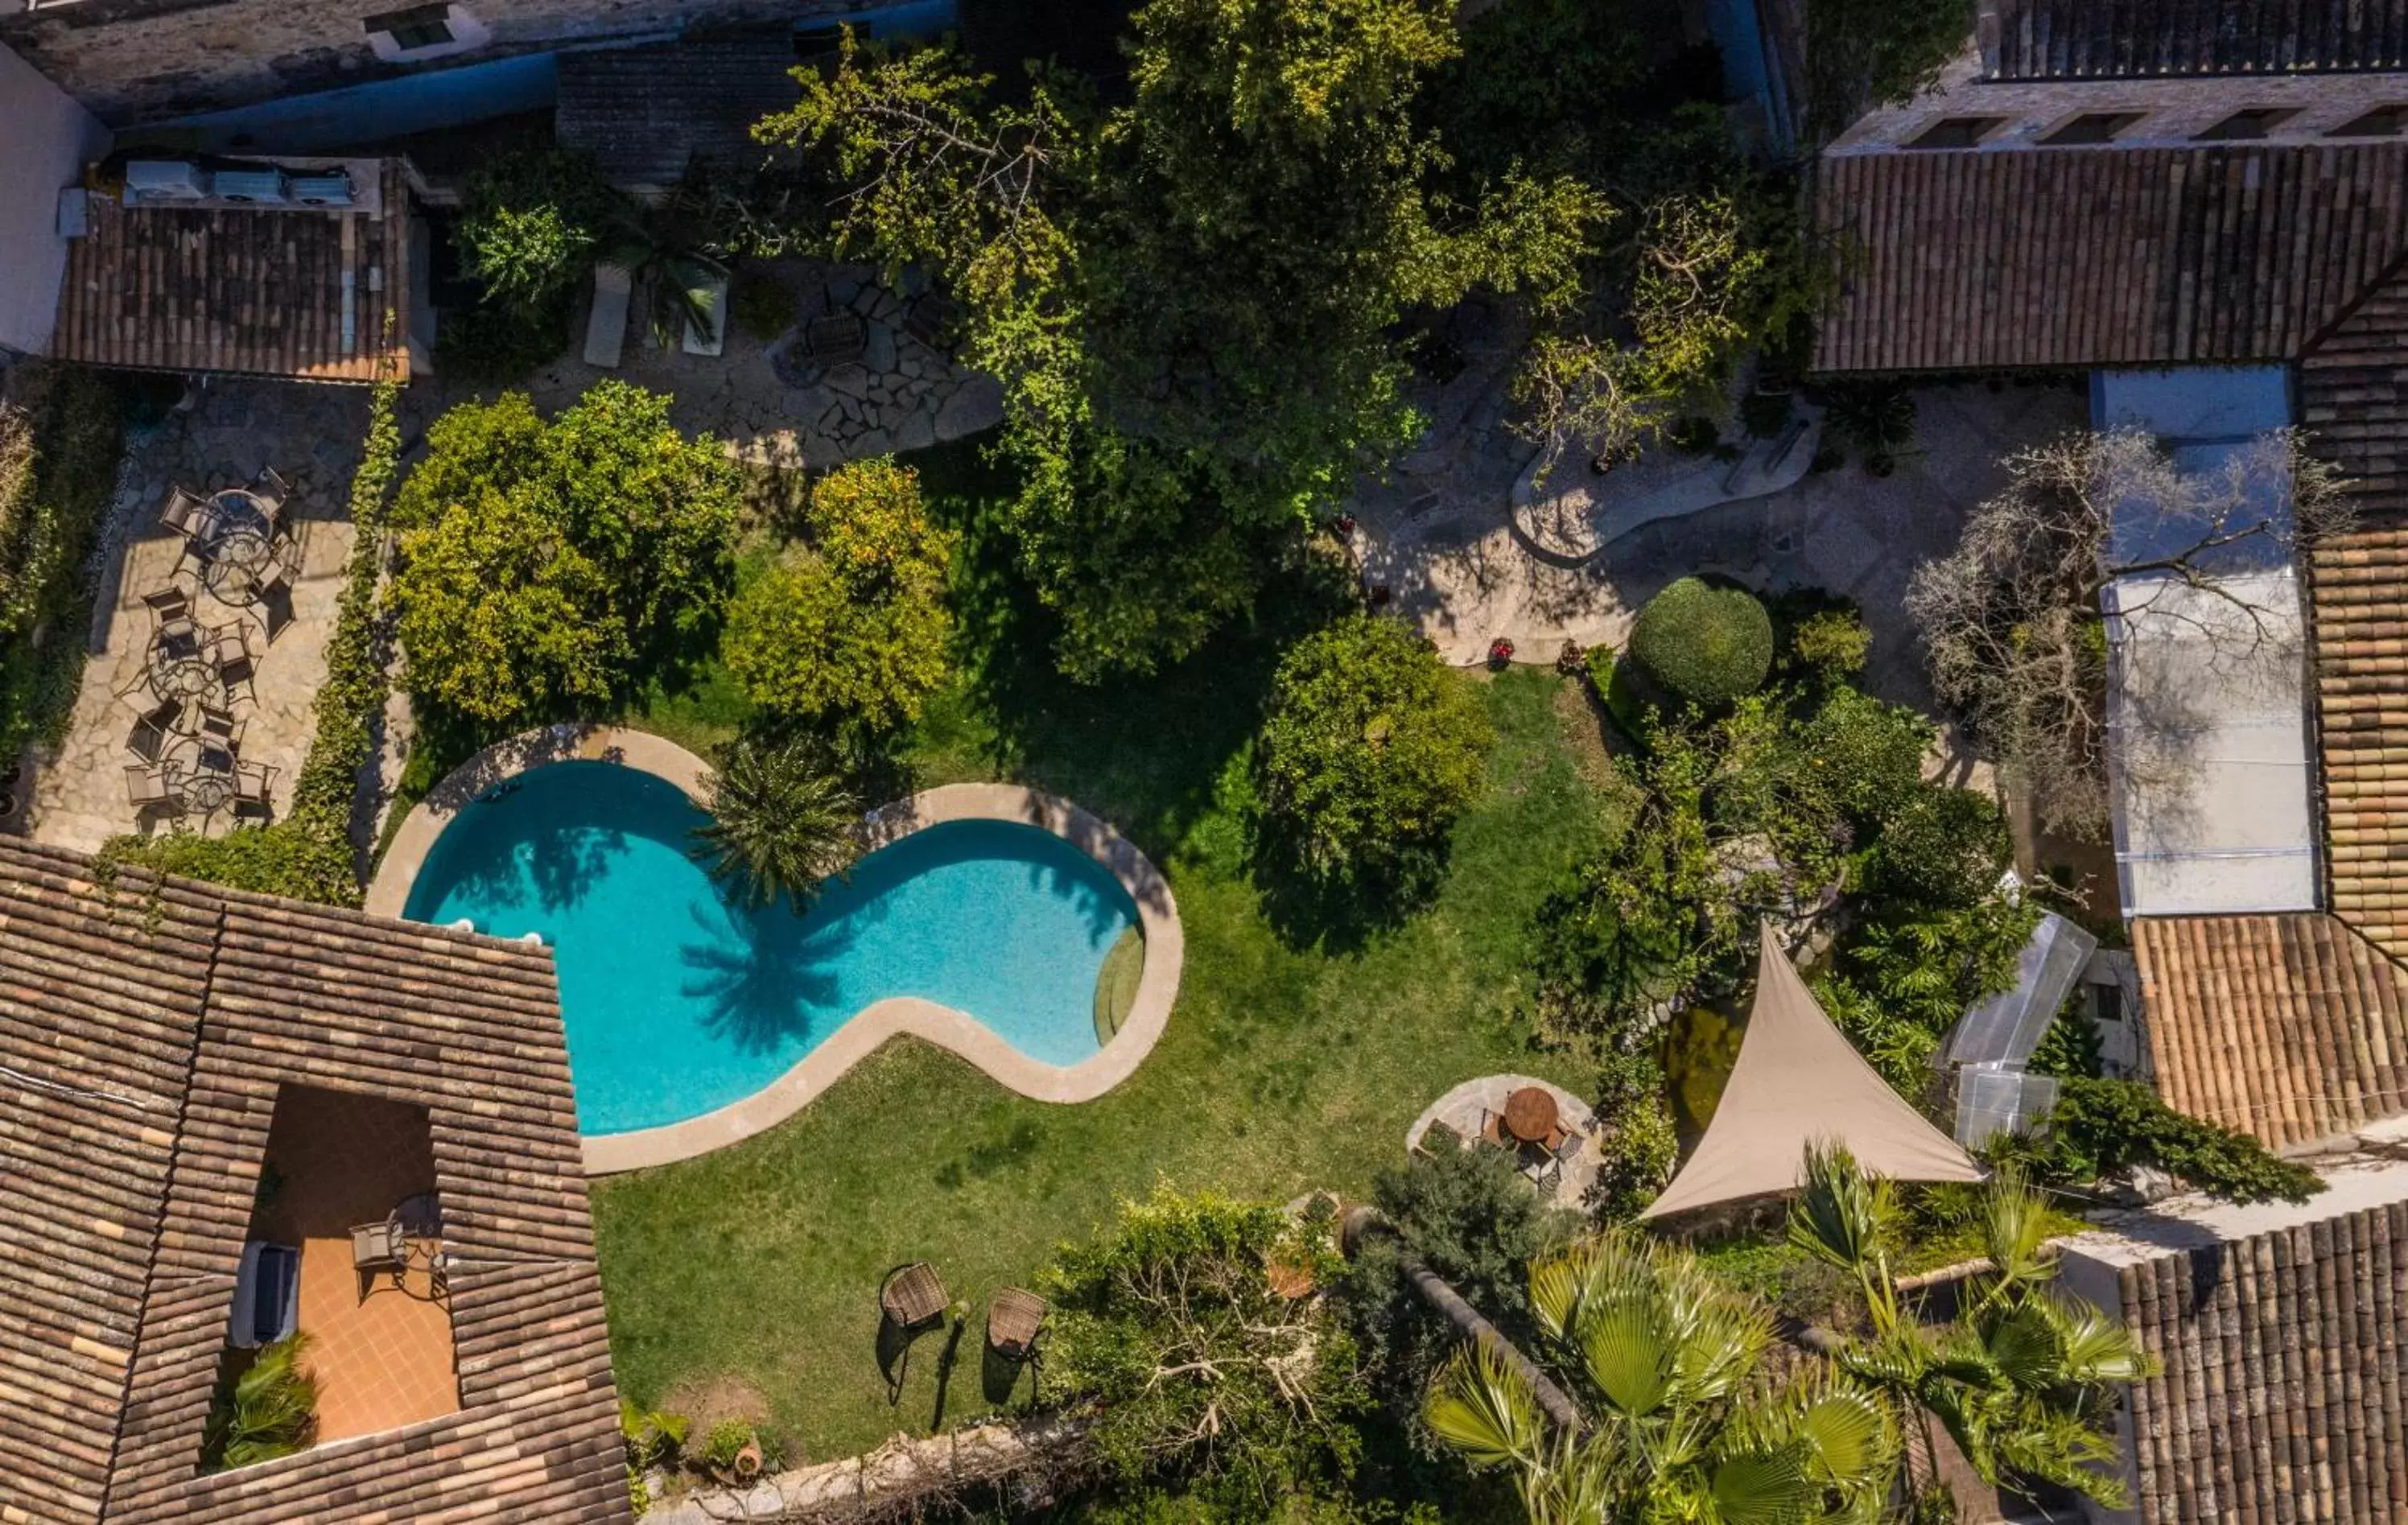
748,1460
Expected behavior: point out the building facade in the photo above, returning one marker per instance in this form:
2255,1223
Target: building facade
136,61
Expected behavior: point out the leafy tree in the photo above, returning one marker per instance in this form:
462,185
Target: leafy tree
1685,1420
541,562
2012,619
853,625
781,823
1708,645
1188,296
1945,849
1371,749
1898,985
60,448
270,1409
1197,1359
2025,1382
1862,53
1832,644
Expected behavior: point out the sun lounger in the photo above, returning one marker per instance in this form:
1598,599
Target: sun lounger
606,327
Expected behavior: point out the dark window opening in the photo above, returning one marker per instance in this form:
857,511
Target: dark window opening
2383,122
2247,126
423,26
1956,131
2094,127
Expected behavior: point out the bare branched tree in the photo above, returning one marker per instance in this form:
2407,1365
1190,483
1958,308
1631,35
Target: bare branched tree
2013,619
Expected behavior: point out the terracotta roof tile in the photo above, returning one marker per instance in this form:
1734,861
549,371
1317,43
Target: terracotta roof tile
313,296
2284,1393
2078,257
2353,402
144,1033
2291,1028
2149,39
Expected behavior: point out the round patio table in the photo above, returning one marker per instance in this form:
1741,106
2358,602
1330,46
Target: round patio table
180,673
201,787
1530,1115
236,547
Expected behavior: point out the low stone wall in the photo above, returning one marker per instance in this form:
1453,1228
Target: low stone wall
897,1476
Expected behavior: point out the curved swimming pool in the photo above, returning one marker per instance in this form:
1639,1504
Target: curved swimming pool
678,1002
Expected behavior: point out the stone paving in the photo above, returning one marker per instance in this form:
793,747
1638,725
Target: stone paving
775,408
1437,533
311,435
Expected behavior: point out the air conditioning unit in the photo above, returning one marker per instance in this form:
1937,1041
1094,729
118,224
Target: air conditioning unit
328,190
251,187
164,180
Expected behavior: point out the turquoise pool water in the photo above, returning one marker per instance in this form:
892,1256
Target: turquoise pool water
678,1002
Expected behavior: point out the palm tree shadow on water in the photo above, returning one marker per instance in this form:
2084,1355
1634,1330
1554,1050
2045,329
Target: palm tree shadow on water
767,976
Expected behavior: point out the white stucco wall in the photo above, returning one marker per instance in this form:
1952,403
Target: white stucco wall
45,137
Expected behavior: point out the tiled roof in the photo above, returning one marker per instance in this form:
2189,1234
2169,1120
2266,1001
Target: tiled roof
2283,1333
2148,39
311,295
2081,257
2292,1028
144,1032
2353,401
644,113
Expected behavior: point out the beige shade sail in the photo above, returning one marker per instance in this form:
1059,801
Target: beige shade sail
1798,1080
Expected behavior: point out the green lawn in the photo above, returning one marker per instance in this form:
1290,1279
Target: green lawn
1284,1068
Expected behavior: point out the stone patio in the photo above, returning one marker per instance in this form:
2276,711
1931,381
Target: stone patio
1464,1111
309,433
1437,533
772,408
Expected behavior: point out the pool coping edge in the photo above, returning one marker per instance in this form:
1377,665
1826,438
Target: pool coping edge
869,1029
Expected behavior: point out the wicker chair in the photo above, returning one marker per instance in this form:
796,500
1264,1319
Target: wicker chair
913,1297
184,513
1013,1321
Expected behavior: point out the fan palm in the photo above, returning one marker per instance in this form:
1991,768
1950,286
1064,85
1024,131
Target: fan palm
781,823
269,1410
2023,1380
1684,1425
661,250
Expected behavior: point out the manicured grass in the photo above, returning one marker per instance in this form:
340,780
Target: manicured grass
1286,1067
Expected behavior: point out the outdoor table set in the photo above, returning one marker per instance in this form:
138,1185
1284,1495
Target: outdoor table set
188,736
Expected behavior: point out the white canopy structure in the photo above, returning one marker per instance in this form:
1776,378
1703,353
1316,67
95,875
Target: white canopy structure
1798,1080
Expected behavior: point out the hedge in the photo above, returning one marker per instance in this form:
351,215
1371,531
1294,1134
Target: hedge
58,460
1708,645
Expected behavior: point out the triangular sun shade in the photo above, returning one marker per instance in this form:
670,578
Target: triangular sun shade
1799,1081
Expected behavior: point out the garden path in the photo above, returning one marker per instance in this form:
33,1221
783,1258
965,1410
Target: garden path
311,435
1438,533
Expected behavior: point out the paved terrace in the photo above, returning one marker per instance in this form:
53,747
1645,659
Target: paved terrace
311,435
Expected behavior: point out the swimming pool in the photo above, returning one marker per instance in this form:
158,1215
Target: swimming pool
677,1003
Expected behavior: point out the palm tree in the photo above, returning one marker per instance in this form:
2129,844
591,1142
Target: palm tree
269,1410
662,250
1682,1421
2023,1380
781,823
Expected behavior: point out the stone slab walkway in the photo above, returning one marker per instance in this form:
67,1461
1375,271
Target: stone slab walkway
900,395
309,433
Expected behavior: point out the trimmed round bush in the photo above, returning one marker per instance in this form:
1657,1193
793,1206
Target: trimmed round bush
1707,645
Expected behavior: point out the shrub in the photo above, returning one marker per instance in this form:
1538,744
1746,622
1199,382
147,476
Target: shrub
1764,414
59,457
496,344
1875,419
763,307
282,859
853,625
1707,645
1866,755
532,224
261,1410
2099,1127
542,563
1371,750
1833,644
1944,848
